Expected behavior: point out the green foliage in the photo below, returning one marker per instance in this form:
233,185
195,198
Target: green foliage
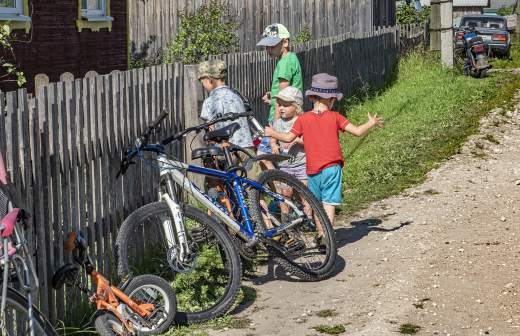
330,330
428,111
303,36
406,14
11,71
210,30
409,329
506,10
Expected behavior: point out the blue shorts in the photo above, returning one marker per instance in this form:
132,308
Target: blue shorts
265,146
326,185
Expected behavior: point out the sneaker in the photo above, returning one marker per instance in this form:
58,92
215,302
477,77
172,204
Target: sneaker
320,244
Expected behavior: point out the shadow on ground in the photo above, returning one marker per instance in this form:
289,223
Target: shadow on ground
361,228
276,272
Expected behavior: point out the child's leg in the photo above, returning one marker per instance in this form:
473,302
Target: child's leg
330,190
331,212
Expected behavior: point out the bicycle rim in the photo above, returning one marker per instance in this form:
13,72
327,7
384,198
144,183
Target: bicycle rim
209,283
16,318
310,245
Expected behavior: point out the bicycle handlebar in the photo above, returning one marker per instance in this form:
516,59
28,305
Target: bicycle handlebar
143,139
225,117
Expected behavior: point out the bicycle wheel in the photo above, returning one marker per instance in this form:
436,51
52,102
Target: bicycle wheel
206,286
307,249
108,325
154,290
16,318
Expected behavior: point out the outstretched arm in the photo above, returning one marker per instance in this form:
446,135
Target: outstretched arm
373,120
285,137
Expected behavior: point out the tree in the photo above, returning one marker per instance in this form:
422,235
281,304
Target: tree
210,30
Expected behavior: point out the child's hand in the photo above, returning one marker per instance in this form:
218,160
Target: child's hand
275,149
374,120
268,131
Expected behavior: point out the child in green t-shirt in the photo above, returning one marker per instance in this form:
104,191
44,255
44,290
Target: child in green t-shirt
287,72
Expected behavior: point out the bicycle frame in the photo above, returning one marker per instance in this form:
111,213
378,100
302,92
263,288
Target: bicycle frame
17,256
109,297
172,171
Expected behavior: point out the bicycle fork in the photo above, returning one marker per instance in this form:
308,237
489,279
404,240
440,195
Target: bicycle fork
180,232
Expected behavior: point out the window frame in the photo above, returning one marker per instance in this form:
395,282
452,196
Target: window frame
86,13
18,17
17,10
95,20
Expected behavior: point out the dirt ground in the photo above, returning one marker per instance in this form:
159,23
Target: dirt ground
443,255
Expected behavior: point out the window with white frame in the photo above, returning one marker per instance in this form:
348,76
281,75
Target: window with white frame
13,7
93,8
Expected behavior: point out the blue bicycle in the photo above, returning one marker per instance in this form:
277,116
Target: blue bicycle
275,211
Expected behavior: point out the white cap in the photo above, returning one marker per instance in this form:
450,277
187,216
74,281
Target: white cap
291,94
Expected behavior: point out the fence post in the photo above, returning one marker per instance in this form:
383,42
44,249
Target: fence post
192,104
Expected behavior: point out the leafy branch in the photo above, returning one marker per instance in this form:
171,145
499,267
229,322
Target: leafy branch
11,71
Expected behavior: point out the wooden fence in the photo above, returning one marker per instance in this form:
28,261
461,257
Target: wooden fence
63,148
153,23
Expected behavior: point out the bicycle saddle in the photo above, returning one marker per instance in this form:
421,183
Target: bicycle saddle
66,273
206,151
222,134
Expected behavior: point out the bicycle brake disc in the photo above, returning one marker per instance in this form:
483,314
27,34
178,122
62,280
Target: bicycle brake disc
188,263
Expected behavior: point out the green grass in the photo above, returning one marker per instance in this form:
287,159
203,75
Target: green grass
330,330
326,313
409,329
428,111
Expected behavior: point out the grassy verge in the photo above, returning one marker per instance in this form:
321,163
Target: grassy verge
429,111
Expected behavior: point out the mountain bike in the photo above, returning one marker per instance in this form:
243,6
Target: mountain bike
18,315
144,305
303,242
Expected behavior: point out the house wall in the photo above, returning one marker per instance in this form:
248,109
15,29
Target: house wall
55,46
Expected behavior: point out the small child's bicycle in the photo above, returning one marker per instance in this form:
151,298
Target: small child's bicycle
143,305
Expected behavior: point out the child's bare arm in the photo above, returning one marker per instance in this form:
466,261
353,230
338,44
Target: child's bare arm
362,129
285,137
274,145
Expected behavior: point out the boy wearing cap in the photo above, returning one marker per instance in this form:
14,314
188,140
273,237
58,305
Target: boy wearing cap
290,101
320,130
287,72
222,100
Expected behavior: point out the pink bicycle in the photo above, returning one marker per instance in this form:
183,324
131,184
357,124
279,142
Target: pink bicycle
18,315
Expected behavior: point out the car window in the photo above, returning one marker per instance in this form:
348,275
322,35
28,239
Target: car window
496,23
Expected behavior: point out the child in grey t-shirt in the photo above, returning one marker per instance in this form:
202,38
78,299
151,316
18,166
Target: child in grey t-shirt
290,101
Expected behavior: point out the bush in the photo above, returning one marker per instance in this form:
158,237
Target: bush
210,30
303,36
406,14
506,10
10,70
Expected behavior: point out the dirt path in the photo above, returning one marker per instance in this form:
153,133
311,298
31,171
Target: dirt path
444,256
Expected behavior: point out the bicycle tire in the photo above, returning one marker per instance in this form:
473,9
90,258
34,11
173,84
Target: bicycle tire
15,300
150,282
286,260
190,309
105,324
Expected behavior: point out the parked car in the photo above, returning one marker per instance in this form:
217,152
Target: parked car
492,29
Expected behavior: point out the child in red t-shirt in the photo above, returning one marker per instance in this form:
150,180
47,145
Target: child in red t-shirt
320,130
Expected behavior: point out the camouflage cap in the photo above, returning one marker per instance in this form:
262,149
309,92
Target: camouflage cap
214,69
